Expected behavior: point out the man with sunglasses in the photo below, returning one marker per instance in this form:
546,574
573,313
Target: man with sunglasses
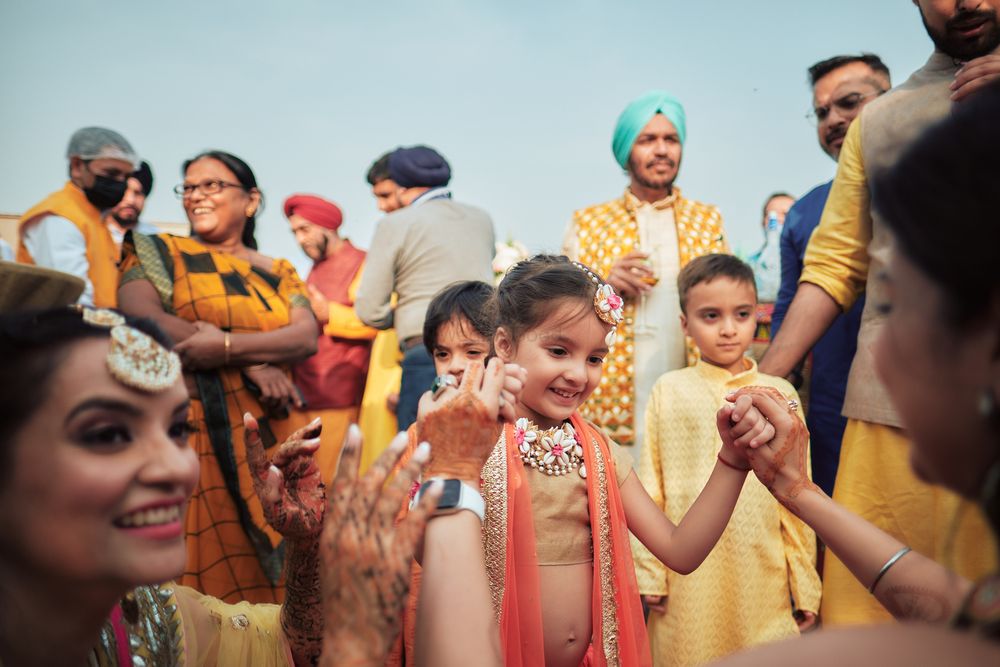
66,231
841,85
844,258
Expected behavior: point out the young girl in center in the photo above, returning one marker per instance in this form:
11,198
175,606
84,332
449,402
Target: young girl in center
561,497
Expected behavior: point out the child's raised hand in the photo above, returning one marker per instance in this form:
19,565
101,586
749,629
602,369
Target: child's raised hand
741,426
781,464
513,382
461,423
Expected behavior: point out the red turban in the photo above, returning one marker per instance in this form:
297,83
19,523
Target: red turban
315,209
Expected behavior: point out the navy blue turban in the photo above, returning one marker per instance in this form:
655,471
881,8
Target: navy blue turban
418,167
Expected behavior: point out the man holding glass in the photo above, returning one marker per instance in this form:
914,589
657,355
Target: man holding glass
639,242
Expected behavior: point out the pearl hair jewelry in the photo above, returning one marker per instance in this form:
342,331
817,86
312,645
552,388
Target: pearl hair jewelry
135,359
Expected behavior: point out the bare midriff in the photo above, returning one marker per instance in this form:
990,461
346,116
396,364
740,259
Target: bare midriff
566,592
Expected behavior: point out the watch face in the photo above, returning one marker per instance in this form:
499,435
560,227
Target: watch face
451,495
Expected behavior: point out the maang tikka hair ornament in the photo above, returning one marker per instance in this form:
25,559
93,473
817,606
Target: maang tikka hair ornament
135,359
607,304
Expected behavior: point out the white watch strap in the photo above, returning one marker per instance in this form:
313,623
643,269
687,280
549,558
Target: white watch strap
469,499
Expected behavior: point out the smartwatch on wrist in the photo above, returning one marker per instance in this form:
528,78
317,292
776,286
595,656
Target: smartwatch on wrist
455,497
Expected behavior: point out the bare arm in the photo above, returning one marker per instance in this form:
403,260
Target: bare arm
455,594
809,316
139,298
915,588
683,547
202,345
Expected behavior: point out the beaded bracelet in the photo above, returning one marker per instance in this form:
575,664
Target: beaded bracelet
885,568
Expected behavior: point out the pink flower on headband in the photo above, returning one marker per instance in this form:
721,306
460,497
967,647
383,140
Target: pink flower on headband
608,305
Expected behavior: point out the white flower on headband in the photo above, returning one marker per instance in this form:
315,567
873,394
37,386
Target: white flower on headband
608,305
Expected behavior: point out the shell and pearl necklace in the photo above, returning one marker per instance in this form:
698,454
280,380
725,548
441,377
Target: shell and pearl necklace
554,451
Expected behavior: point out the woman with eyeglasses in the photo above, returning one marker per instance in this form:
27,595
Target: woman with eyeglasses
240,318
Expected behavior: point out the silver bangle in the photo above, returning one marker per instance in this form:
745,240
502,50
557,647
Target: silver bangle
885,568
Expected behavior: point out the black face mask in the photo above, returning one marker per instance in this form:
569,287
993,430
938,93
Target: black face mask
106,192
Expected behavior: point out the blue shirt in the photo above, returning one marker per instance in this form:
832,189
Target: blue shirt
833,353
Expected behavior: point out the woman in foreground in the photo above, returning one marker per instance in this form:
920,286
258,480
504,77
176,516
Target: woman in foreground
95,476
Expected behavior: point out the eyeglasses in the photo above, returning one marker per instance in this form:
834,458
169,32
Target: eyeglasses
845,105
185,190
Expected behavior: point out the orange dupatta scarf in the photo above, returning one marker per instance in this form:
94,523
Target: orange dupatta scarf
509,540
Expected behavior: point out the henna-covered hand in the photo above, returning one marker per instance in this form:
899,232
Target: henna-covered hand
461,424
365,558
289,486
781,463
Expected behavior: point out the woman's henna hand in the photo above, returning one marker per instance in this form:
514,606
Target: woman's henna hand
781,465
461,424
289,486
365,559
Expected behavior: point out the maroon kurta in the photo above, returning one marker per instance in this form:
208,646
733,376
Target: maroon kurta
334,377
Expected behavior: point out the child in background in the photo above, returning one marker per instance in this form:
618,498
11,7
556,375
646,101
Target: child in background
458,330
741,595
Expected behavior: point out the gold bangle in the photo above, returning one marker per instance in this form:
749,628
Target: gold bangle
256,367
228,346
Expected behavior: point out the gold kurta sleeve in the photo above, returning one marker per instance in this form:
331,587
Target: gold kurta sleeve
344,321
837,256
649,571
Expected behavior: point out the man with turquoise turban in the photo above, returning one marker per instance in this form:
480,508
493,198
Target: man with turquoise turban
639,242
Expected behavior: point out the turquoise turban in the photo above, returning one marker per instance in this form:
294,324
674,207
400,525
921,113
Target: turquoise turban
640,112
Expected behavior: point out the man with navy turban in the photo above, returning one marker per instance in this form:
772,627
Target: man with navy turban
426,242
639,242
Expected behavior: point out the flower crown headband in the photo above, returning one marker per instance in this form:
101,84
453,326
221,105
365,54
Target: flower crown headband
607,304
135,359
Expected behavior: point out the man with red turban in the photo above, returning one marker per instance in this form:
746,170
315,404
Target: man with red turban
332,381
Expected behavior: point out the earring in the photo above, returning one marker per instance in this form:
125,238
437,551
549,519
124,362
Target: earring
987,404
250,211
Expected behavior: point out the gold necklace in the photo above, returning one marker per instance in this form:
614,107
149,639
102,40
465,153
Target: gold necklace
553,451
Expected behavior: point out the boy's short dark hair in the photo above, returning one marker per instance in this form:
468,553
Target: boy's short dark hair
379,171
471,300
708,267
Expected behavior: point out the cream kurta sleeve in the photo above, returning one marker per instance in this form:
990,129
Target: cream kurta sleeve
799,542
649,571
837,256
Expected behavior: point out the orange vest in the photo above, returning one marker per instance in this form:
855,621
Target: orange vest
102,254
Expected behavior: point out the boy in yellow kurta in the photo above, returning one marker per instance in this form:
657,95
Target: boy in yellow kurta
763,568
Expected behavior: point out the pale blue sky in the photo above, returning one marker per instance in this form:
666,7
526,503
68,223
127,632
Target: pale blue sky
520,96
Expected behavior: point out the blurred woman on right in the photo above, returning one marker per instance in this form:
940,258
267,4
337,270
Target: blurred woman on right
939,357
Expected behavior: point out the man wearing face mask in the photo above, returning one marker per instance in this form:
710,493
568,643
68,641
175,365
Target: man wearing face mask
125,216
66,231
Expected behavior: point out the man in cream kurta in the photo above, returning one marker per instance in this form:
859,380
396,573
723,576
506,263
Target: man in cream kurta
651,231
844,258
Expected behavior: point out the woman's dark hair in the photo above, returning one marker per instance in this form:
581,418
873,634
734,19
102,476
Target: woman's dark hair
246,178
942,202
471,300
32,346
525,296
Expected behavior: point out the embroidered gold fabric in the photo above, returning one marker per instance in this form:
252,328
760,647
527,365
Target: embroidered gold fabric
494,490
609,619
154,630
605,233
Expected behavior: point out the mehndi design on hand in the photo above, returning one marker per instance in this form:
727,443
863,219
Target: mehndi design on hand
365,558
